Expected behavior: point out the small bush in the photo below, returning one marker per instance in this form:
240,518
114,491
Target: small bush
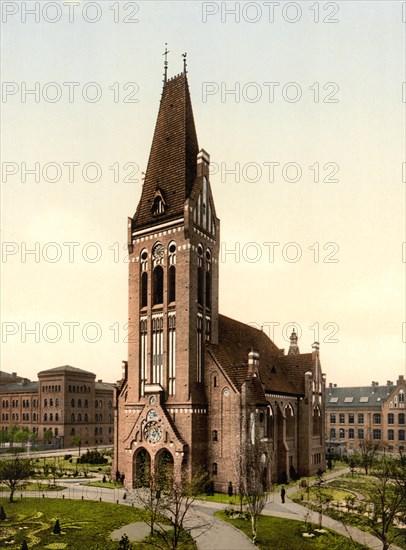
57,528
67,457
2,513
124,543
92,457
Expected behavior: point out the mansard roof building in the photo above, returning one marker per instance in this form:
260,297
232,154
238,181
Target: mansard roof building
200,389
376,413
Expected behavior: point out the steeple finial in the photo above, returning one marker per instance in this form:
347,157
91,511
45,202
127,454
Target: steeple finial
166,63
184,55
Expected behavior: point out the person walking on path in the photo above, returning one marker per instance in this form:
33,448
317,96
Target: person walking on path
283,493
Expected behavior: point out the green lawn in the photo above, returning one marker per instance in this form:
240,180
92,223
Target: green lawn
106,485
69,467
84,524
222,498
311,494
286,534
33,486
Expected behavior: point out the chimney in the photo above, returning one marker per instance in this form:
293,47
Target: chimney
315,348
14,374
330,385
100,381
400,380
124,370
335,385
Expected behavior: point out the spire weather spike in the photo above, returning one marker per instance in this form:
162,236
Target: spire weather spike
166,63
184,55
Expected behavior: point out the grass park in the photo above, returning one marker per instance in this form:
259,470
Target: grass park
84,524
88,524
286,534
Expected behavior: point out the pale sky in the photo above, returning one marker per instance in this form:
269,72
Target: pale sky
326,95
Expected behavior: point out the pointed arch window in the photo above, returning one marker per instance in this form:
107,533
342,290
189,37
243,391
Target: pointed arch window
172,353
143,352
144,289
172,253
290,421
158,285
144,279
157,350
172,284
317,424
208,279
200,276
270,424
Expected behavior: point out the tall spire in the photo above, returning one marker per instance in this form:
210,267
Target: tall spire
293,348
166,63
172,163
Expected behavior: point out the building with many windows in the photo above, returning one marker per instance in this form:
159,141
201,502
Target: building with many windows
66,401
200,390
373,412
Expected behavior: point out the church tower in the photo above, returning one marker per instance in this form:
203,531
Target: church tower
173,244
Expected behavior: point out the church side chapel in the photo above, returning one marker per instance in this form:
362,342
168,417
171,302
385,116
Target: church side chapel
199,390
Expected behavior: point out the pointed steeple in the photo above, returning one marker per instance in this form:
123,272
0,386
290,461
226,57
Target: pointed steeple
293,348
173,158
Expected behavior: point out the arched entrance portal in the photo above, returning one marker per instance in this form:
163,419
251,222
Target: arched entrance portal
164,465
142,468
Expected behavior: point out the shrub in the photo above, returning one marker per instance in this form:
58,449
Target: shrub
24,545
57,528
92,457
2,513
67,457
124,543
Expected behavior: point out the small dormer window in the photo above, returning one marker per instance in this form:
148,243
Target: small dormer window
158,204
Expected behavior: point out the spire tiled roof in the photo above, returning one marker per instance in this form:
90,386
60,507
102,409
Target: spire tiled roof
172,163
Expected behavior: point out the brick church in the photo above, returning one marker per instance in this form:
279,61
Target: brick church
200,388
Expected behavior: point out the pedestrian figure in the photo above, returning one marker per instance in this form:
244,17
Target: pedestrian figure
283,493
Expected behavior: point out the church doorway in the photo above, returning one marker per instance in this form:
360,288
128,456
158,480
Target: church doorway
142,468
164,466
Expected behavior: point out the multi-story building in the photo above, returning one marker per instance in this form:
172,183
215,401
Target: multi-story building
66,401
373,412
201,390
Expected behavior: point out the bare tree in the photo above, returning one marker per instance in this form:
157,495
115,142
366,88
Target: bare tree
53,468
14,472
253,482
323,496
171,499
